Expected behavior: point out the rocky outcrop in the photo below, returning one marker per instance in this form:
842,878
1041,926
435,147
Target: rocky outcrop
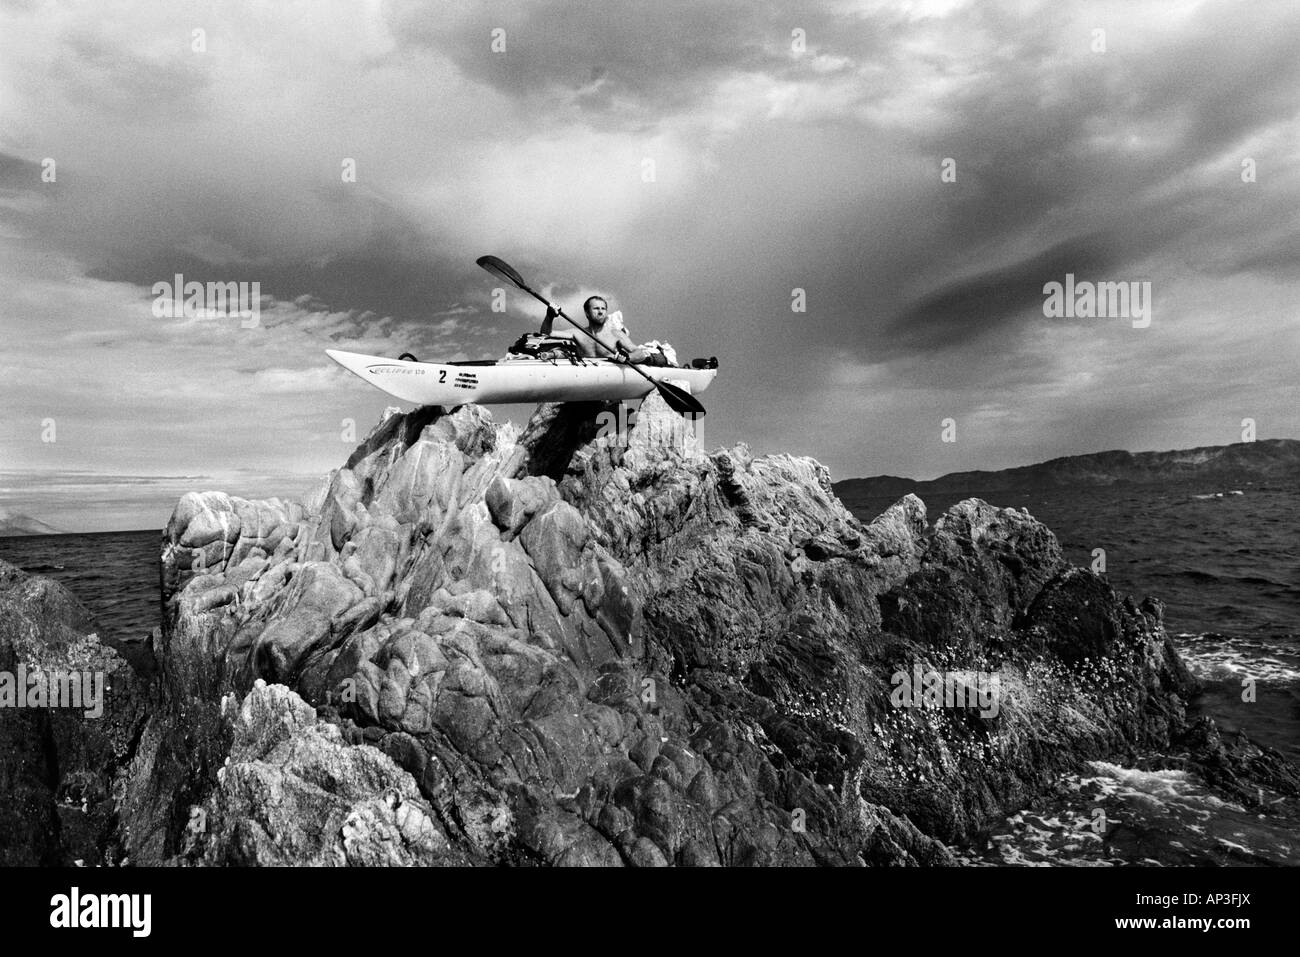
71,711
581,645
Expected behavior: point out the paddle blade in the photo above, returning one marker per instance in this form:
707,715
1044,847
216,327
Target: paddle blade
679,400
501,268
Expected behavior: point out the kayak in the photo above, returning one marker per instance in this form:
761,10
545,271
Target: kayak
517,379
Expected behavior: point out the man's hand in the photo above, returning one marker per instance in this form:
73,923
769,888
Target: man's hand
552,313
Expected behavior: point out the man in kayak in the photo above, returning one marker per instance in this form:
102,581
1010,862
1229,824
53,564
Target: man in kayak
612,334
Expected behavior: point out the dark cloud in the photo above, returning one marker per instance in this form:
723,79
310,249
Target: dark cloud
1049,143
385,267
1051,138
623,56
17,173
968,308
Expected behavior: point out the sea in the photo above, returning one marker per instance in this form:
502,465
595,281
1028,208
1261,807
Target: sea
116,576
1224,560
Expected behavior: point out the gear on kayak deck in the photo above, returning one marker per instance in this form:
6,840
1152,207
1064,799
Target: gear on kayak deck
538,346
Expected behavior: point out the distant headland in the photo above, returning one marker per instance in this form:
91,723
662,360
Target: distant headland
1241,463
12,524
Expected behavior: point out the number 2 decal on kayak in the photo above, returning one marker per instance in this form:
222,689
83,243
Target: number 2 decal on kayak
442,375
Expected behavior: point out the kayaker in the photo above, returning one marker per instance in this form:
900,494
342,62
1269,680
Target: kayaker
613,335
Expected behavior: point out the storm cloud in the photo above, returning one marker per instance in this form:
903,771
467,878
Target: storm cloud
915,172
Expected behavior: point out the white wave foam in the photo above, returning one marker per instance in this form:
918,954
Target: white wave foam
1214,658
1156,788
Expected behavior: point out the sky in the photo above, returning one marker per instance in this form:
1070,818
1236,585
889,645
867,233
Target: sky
913,174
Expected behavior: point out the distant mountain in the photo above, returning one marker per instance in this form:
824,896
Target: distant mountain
1264,460
11,523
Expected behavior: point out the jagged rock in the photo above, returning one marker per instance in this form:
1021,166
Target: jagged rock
292,792
587,644
61,763
210,531
1242,768
513,502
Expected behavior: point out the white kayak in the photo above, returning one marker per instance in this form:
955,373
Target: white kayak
517,379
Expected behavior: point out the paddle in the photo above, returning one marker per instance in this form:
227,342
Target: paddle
679,400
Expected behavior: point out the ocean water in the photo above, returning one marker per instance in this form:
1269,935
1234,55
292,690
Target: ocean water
1114,816
115,574
1226,565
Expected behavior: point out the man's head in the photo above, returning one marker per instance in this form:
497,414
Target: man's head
596,308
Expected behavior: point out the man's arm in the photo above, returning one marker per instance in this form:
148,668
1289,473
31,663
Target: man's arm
624,342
